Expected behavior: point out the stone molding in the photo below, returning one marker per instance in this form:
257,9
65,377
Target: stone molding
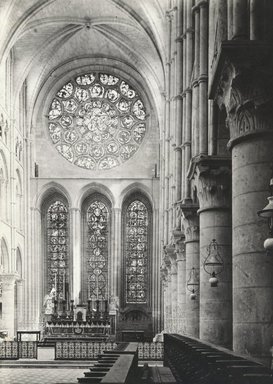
242,81
179,240
8,280
212,177
190,221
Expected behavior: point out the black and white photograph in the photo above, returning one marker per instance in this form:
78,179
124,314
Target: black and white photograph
136,191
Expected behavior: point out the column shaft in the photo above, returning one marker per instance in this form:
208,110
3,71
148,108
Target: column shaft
75,281
252,268
203,81
181,292
230,23
174,299
214,192
241,19
115,277
216,302
192,306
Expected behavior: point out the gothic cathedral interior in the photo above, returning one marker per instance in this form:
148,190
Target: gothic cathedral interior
136,171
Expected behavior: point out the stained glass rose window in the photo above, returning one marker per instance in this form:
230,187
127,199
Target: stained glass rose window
97,121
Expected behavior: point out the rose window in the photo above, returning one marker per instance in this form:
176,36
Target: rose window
97,121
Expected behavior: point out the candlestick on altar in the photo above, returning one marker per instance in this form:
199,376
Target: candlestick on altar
55,283
64,284
97,286
88,290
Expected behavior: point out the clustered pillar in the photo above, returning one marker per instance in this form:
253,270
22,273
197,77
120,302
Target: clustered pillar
214,191
215,170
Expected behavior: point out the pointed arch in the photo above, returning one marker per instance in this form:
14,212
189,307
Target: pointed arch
94,188
96,247
47,191
136,188
4,177
56,243
137,218
4,256
19,261
19,200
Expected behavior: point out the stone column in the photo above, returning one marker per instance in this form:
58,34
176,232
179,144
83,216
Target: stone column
188,97
174,291
179,102
203,79
256,24
168,293
19,307
213,179
244,85
163,278
181,284
240,19
8,303
191,225
172,284
116,263
195,85
167,123
75,280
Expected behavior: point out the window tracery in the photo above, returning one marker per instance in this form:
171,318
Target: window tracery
97,121
57,248
136,257
97,261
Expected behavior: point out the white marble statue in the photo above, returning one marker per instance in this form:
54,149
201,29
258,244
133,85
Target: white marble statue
49,302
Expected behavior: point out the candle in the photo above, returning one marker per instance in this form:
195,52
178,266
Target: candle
55,284
64,284
97,283
88,287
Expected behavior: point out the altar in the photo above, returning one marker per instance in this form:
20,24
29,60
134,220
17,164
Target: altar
91,322
71,330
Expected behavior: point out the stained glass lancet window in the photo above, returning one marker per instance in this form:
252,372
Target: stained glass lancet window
136,256
97,121
97,261
57,248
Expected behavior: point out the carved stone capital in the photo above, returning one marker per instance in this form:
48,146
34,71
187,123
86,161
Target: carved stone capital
8,280
163,273
179,240
212,176
242,81
174,265
190,221
177,217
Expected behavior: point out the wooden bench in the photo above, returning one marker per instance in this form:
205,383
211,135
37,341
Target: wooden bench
196,362
114,367
159,375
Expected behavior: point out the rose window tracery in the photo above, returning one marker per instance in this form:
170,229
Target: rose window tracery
97,121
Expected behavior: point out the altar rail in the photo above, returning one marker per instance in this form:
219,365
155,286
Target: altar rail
196,362
82,350
13,350
77,350
151,351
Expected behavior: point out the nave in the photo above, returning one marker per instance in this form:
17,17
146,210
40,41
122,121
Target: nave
136,184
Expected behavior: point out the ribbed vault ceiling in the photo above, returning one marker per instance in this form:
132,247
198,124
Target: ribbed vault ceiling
44,34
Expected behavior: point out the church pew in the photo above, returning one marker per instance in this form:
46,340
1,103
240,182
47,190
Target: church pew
196,362
114,368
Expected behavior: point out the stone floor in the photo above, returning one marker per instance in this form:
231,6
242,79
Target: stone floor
40,375
42,372
35,372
